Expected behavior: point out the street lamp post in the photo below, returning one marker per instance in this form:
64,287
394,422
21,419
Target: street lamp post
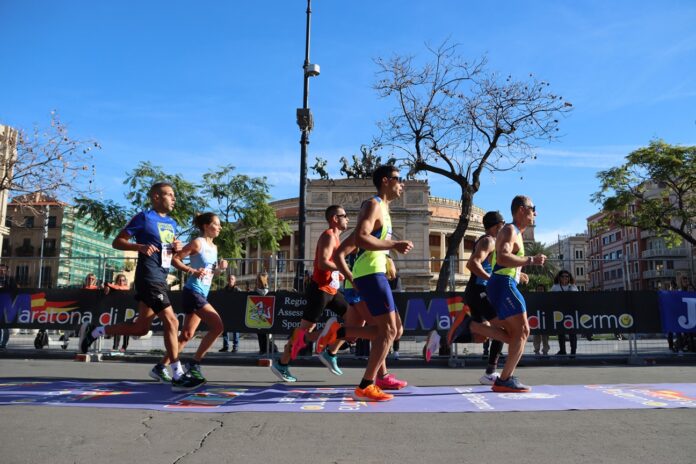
306,123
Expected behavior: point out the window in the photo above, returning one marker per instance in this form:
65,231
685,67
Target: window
612,274
22,274
51,222
578,254
46,277
282,261
670,264
579,271
28,222
49,244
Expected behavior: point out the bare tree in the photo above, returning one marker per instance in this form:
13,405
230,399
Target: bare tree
48,162
456,119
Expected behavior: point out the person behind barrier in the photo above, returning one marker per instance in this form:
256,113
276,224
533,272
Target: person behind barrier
564,282
541,341
7,285
120,285
230,287
156,242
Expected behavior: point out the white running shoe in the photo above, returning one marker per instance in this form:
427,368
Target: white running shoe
432,345
488,379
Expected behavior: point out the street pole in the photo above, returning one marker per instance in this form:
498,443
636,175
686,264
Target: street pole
45,236
306,123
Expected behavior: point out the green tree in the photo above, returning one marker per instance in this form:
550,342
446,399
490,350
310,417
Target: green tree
653,190
457,119
240,201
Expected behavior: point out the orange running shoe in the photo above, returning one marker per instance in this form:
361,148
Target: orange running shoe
328,335
460,326
371,393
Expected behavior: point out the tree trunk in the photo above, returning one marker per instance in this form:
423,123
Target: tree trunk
455,239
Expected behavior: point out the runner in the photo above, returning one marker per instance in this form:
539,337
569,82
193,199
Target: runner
322,292
358,314
203,265
505,297
480,264
373,237
155,241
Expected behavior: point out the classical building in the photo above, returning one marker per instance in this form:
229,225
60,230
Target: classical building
51,245
8,154
426,221
572,255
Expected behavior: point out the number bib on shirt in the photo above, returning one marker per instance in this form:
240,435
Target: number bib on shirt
167,255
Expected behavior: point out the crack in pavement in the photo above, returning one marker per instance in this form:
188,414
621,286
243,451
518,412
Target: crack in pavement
220,425
148,427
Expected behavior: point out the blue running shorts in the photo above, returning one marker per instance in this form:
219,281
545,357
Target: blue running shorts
503,294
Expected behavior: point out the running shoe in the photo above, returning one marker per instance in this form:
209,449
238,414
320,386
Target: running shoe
160,374
282,372
390,382
371,393
330,362
298,342
187,382
194,369
488,379
86,338
432,344
328,335
460,331
511,385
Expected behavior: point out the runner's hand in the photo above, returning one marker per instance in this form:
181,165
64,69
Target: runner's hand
403,246
198,273
222,265
177,245
147,250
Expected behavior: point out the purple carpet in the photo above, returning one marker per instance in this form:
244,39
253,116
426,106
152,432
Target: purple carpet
284,398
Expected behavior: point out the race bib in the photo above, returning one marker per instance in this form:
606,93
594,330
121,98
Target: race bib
167,254
207,279
335,280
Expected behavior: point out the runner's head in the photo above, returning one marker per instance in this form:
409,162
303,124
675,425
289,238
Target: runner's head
388,181
523,211
208,224
336,217
162,197
493,221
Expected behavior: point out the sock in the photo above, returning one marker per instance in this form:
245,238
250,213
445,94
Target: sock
341,333
494,355
383,375
365,383
281,363
99,332
330,353
177,370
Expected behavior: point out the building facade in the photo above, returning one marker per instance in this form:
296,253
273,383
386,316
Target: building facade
8,155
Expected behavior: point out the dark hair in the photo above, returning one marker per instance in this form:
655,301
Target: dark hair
561,273
203,219
381,172
518,201
157,188
331,210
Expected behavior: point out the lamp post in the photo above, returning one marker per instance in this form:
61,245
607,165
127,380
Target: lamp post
306,123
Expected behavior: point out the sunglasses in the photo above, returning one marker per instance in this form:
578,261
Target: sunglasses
399,179
532,207
341,215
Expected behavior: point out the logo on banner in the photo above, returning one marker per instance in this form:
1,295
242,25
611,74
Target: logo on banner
29,308
259,312
678,311
689,321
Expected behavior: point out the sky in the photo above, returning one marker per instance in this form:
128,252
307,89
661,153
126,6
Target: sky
190,86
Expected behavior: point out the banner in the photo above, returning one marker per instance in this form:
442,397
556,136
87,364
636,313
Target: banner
280,312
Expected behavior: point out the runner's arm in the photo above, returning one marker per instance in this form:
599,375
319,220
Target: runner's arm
325,247
344,249
481,252
190,249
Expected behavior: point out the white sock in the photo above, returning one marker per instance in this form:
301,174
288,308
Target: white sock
177,370
99,331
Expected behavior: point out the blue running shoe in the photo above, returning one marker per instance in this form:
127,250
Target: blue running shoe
511,385
330,362
282,372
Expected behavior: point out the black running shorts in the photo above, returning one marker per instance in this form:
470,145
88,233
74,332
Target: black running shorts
318,300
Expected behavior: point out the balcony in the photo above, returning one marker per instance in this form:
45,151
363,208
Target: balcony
679,252
24,251
659,274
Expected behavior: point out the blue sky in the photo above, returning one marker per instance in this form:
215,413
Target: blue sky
190,87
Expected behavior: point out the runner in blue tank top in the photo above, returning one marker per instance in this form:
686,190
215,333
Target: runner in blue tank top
201,268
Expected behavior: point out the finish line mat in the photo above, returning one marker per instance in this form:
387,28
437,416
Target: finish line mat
286,398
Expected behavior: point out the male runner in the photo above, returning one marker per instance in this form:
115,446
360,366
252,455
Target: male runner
373,237
480,264
155,241
322,292
505,297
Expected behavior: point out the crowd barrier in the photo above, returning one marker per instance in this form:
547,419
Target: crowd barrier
279,312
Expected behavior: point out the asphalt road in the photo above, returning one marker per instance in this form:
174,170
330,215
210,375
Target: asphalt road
31,434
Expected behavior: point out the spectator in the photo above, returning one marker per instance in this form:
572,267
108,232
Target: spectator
541,340
7,285
564,282
262,289
90,282
230,287
120,285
